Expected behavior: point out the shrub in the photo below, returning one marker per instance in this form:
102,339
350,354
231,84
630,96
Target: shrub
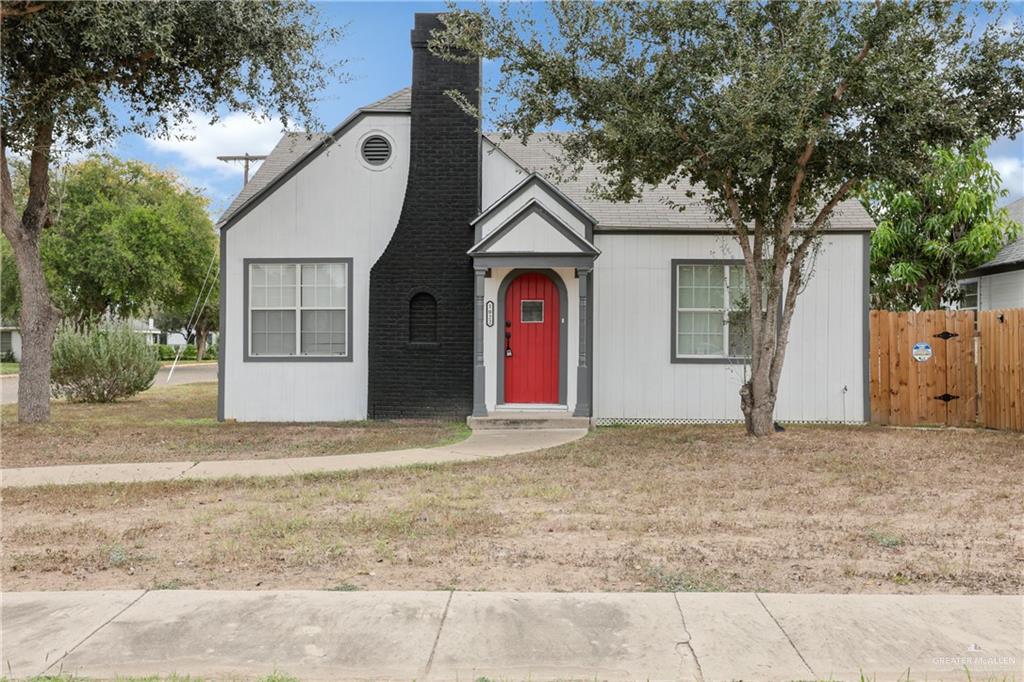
189,353
167,351
101,365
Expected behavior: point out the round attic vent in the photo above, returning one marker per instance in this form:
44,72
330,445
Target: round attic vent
376,150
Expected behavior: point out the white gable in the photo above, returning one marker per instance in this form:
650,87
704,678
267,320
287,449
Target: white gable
526,191
533,230
534,234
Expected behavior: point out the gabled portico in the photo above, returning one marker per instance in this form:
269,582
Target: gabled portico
533,261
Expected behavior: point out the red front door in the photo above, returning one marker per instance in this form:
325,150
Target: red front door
532,323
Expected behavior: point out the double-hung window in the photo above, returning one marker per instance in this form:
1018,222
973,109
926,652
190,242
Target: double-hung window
969,293
299,310
710,311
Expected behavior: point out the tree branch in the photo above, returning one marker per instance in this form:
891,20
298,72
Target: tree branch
8,216
25,9
36,216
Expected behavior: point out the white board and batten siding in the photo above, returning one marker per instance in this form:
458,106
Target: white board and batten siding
335,207
634,378
1001,290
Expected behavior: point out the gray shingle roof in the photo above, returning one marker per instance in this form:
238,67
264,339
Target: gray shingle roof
293,147
654,209
1014,251
396,101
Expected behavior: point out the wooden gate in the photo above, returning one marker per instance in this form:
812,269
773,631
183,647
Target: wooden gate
1001,368
932,367
922,368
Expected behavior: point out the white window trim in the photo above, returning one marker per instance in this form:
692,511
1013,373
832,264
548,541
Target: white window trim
531,300
724,312
976,281
298,309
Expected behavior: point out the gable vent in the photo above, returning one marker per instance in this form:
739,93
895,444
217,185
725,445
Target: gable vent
376,150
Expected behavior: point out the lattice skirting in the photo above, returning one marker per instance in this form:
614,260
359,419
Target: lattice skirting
666,421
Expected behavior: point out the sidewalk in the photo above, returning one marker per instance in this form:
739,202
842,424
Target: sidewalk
481,444
467,635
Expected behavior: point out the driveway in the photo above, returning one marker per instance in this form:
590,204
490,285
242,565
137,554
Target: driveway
183,374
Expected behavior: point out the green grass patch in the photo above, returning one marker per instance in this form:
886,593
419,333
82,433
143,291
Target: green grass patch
344,587
9,367
886,539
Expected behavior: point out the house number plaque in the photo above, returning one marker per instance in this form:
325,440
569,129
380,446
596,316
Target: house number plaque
490,314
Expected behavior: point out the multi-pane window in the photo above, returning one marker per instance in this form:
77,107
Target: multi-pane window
298,309
969,293
711,311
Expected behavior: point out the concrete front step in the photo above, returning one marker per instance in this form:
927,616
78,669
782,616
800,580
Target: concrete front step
528,419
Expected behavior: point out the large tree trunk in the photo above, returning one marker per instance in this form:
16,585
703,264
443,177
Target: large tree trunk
38,317
757,400
38,321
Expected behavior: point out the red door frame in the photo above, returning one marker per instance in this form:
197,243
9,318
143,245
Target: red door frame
532,348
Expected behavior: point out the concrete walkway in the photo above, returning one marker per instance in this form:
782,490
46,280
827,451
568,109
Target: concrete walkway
479,445
467,635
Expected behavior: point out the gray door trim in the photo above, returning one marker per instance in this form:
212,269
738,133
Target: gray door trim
585,368
563,331
479,369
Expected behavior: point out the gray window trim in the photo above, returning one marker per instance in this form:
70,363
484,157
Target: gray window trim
563,332
246,357
691,360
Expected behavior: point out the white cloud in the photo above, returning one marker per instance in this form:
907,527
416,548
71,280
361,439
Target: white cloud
235,133
1011,170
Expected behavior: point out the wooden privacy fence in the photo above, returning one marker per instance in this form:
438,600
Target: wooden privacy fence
940,367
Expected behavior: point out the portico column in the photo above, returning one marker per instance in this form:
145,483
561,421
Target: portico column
583,388
479,400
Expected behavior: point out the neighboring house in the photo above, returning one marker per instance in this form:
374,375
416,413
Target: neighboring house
999,283
408,266
147,329
10,340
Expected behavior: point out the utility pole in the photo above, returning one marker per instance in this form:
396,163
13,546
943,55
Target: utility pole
246,158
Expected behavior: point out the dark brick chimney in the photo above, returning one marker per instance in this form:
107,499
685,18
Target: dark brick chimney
427,253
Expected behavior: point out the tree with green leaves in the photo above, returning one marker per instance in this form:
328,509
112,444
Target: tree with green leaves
198,313
76,75
777,111
124,238
933,230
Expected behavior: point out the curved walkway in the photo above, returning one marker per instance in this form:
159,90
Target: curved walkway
480,445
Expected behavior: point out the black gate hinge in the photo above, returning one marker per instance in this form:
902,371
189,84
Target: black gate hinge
945,336
945,397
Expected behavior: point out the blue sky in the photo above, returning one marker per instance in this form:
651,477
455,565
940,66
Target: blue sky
376,46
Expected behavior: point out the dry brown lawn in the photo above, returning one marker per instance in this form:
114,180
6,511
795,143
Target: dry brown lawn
177,423
814,509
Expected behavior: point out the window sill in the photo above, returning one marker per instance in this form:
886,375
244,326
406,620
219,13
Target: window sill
297,358
709,360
